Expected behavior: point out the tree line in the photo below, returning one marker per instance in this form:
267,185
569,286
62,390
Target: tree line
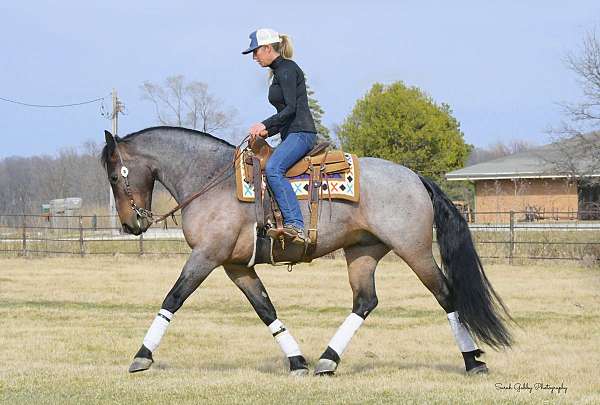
28,182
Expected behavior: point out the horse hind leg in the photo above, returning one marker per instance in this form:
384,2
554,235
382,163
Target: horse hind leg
427,270
362,261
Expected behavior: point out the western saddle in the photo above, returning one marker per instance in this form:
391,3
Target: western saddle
317,164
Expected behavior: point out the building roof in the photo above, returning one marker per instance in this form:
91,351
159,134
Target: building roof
574,157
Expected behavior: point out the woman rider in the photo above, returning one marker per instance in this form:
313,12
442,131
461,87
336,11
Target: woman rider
293,121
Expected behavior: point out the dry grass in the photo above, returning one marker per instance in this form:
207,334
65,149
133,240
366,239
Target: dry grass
70,327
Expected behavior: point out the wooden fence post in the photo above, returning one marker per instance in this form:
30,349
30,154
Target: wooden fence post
24,247
511,251
81,248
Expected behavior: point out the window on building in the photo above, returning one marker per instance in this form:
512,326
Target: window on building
589,201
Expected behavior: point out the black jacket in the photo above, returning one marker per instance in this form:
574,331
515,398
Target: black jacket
288,95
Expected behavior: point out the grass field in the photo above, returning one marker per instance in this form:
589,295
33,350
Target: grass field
71,326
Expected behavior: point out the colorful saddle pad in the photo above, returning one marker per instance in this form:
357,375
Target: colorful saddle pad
342,185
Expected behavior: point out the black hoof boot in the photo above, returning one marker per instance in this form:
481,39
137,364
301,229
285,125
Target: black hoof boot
142,360
472,365
328,363
298,366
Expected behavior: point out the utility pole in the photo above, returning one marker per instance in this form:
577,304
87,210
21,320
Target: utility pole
117,107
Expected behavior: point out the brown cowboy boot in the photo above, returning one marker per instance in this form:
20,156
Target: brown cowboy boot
295,234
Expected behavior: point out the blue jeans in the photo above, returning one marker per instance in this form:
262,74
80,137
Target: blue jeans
293,148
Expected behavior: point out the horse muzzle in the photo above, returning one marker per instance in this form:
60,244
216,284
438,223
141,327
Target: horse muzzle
137,226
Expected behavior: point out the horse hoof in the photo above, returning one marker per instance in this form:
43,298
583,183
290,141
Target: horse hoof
300,372
480,369
325,367
140,364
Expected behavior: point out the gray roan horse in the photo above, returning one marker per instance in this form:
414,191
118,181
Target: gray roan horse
397,211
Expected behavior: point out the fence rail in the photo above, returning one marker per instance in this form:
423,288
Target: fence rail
512,237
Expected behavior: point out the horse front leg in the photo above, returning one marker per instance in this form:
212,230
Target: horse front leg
362,262
195,271
247,280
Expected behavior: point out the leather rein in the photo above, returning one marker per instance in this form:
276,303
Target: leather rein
149,215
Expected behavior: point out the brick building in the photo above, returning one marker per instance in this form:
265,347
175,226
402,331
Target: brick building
552,182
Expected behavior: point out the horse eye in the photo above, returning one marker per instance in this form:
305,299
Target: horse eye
114,178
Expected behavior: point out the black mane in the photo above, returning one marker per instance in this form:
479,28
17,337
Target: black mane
109,149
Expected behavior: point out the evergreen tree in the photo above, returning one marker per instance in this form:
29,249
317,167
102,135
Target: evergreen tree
317,113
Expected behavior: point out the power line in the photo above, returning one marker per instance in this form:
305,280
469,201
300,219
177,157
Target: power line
55,105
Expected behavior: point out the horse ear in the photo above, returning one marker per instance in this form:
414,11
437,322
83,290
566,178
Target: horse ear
109,138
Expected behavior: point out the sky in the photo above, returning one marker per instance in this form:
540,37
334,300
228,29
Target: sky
499,65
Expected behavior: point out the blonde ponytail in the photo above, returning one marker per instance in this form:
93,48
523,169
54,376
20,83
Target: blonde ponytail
285,47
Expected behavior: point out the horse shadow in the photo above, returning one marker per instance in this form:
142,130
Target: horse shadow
367,367
278,365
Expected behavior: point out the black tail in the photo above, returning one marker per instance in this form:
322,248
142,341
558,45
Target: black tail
478,305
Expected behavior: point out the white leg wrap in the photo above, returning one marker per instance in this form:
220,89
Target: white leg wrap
286,341
157,329
462,336
342,337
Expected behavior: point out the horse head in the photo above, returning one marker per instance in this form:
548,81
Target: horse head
131,178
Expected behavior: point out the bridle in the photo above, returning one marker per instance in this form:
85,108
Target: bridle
149,215
141,212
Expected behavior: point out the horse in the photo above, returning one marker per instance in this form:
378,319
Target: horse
397,212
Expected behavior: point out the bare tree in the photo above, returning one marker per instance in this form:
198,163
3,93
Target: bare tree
187,104
20,183
586,65
577,140
28,182
498,150
575,151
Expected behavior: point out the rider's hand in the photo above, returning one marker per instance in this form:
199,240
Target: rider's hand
257,129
